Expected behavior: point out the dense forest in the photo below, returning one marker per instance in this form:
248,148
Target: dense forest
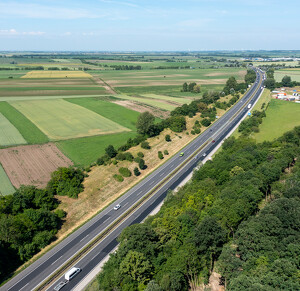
239,216
29,219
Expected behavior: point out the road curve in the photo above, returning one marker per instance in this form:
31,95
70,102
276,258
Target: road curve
37,272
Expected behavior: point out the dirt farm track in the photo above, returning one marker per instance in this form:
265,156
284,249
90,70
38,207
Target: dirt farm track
32,164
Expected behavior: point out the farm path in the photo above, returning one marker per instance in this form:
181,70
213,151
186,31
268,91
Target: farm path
103,84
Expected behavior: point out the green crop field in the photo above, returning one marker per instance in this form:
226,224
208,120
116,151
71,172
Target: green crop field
281,116
9,135
117,113
84,151
6,187
27,129
293,73
60,119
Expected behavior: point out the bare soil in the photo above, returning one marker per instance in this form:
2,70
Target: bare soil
32,164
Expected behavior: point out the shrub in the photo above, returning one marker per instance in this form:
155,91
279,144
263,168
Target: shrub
110,151
100,161
129,156
197,130
140,154
142,165
136,171
137,159
192,132
60,213
166,152
119,178
205,122
168,138
125,172
115,162
120,157
160,155
145,145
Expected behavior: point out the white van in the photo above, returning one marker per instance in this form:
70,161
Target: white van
72,273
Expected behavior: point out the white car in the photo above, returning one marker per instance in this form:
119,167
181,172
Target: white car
204,155
117,207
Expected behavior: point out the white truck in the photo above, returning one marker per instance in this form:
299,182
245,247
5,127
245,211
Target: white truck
72,273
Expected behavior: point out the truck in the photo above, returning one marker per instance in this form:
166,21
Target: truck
72,273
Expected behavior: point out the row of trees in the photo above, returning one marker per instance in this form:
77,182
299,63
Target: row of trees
286,81
191,87
180,244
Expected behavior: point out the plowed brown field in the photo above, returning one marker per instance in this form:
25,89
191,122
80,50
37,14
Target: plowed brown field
32,164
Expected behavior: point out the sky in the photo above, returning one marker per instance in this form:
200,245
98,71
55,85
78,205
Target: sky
149,25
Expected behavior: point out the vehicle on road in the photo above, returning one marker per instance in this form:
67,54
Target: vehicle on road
72,273
213,140
59,286
181,154
204,155
118,206
249,106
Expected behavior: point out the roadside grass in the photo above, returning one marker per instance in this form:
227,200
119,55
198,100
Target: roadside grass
84,151
60,119
264,99
6,187
9,135
282,116
57,74
26,128
117,113
168,98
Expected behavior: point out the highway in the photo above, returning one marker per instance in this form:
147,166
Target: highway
166,177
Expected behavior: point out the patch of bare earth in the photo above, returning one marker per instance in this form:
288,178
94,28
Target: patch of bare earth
142,108
32,164
103,84
215,282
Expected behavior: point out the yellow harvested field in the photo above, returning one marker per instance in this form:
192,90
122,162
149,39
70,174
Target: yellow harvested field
56,74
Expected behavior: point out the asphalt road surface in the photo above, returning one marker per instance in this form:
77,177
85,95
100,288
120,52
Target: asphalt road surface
175,169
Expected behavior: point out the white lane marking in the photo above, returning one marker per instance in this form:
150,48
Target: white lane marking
56,260
161,174
83,238
24,286
94,256
152,183
125,204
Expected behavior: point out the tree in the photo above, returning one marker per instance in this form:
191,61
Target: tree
110,151
232,83
270,83
167,138
185,87
144,122
136,266
136,171
160,155
145,145
196,89
286,81
191,86
142,165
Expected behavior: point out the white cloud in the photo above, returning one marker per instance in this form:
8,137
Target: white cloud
13,31
119,3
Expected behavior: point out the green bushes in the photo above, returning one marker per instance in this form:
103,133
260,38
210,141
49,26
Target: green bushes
66,182
145,145
140,154
142,164
118,178
136,171
167,138
160,155
125,172
166,152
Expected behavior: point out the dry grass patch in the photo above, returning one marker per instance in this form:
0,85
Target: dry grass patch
57,74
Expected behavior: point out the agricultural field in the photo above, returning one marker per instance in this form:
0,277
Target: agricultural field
6,187
59,119
25,127
293,73
281,116
32,164
49,87
9,135
56,74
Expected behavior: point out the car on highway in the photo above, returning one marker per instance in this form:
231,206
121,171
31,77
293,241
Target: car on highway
118,206
213,140
181,154
59,286
204,155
